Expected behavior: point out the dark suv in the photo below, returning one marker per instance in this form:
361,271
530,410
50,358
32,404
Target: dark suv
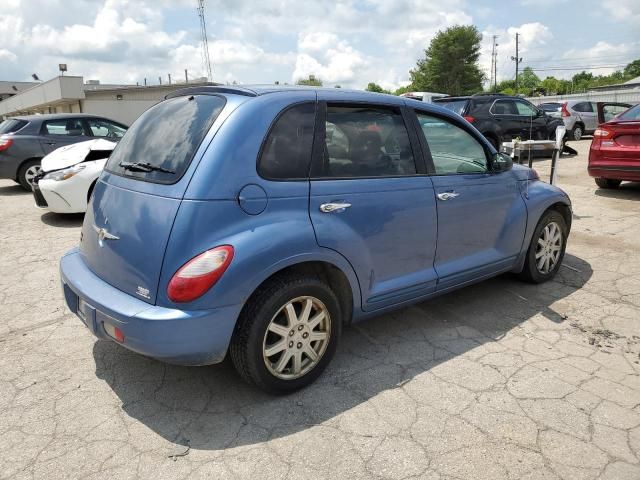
25,140
501,118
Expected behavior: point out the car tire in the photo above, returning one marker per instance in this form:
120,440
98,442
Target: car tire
577,132
28,170
273,347
547,248
607,182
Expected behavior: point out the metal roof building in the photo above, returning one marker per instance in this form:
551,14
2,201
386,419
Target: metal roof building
70,94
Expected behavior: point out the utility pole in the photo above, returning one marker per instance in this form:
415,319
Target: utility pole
517,59
206,60
186,76
494,63
169,75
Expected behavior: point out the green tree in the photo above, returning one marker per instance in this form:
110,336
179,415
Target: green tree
374,87
632,70
528,81
451,63
401,90
507,87
312,81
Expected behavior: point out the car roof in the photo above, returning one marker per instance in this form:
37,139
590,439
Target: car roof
259,90
55,116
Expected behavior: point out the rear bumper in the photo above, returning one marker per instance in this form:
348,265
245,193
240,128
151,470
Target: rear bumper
607,164
616,173
199,337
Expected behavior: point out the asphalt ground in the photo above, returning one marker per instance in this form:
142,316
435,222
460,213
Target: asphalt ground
499,380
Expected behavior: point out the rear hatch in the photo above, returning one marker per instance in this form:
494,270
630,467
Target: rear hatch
130,216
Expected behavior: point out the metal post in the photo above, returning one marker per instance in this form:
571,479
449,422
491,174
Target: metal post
186,76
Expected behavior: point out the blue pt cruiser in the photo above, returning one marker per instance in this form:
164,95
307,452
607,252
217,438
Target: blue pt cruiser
259,221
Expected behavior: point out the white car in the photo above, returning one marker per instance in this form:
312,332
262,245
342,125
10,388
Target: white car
69,174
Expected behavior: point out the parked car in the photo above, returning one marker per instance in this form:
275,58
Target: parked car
579,117
501,118
553,109
25,140
428,97
68,175
614,155
227,220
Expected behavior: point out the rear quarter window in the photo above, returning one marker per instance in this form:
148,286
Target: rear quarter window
12,125
161,143
286,153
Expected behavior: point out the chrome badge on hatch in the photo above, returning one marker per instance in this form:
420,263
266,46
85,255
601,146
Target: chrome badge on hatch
103,234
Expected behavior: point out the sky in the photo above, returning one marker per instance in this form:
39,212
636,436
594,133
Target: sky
343,42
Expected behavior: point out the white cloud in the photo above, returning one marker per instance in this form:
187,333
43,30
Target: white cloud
627,11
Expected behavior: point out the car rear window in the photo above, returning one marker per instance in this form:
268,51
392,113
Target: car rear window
161,143
12,125
632,114
551,107
456,106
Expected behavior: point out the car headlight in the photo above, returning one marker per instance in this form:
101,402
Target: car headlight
65,174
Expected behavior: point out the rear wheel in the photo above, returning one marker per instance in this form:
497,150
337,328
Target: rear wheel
577,132
546,249
607,182
28,171
287,334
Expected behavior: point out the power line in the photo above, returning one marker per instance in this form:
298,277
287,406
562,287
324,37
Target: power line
584,67
572,59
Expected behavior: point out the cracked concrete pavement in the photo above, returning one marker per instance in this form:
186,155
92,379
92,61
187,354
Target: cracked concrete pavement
501,380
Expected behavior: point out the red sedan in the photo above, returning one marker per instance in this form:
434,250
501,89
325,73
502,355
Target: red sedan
615,150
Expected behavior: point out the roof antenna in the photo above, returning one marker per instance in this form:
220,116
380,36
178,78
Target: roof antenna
206,60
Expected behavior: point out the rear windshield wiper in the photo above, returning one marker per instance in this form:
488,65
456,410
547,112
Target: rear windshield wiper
144,167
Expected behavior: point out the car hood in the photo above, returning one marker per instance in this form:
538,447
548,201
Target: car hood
69,155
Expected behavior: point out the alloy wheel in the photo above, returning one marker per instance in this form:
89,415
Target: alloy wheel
296,338
31,173
548,248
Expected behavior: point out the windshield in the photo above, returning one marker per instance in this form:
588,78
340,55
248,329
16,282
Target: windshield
162,141
632,114
456,106
12,125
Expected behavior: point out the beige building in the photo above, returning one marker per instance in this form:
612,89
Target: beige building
69,94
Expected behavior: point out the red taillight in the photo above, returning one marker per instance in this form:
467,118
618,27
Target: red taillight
5,142
603,133
565,112
469,118
199,274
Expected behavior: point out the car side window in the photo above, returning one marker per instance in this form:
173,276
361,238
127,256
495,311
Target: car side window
103,128
365,141
583,107
454,150
286,153
504,107
71,127
525,109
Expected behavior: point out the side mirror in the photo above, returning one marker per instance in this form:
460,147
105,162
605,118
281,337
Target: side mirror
501,162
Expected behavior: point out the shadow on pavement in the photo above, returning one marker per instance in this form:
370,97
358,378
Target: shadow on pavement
64,220
210,408
12,190
626,191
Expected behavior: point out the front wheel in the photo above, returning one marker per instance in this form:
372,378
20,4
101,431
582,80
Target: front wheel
546,249
28,171
287,334
607,182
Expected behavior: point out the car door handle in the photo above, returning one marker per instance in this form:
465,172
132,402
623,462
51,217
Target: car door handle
447,195
334,207
51,143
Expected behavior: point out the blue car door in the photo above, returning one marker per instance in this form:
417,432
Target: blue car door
371,200
481,214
